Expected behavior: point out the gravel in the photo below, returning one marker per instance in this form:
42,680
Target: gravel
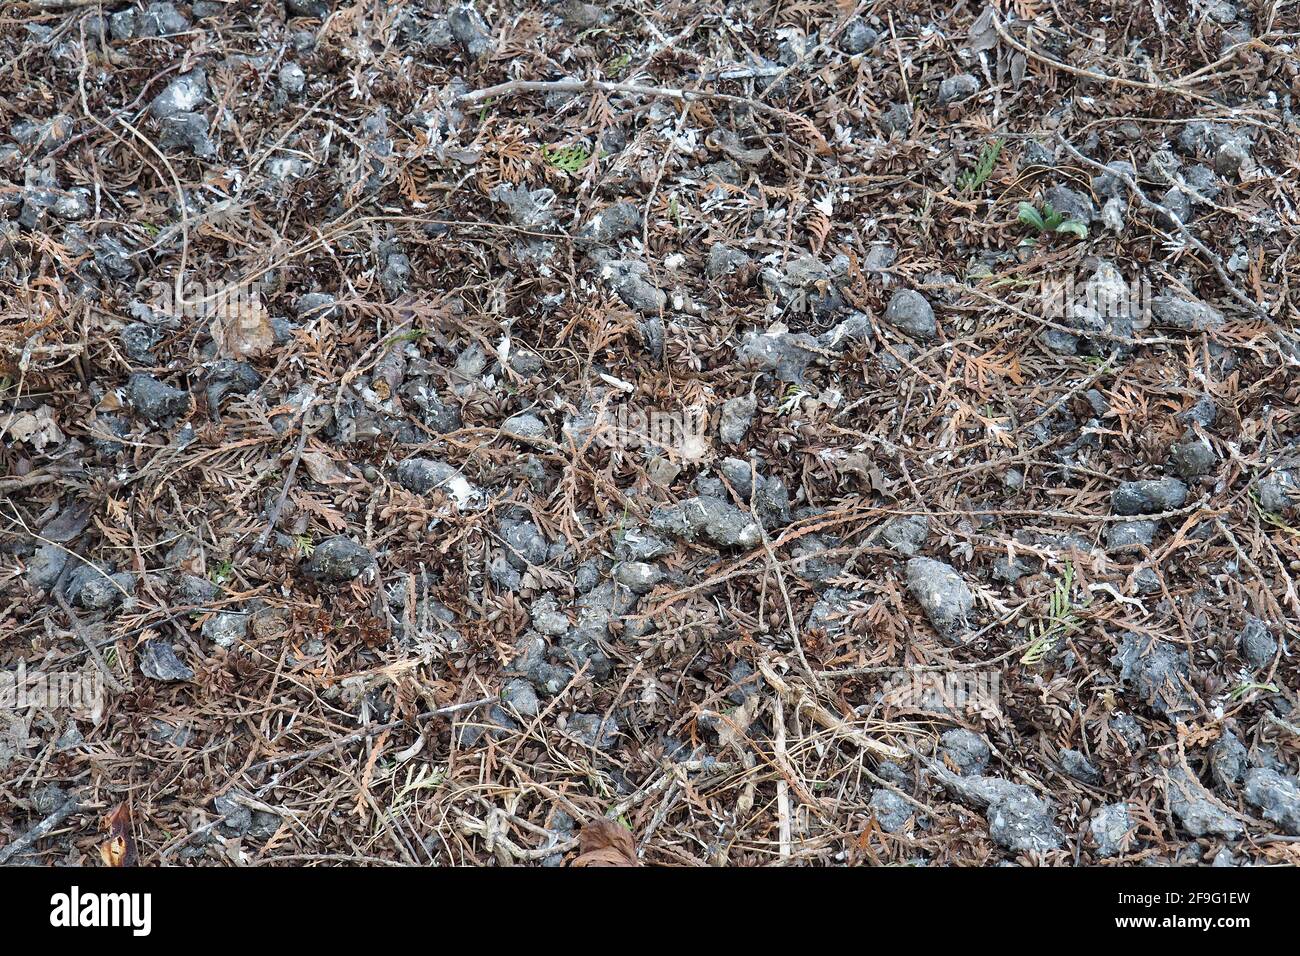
338,559
910,312
710,520
1277,798
1159,673
1149,496
890,810
1110,826
736,417
1256,645
158,661
964,751
1198,814
942,594
225,628
154,400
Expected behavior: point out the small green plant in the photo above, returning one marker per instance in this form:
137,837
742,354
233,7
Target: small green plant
1060,620
794,396
221,573
618,64
972,179
1050,220
303,543
571,159
1244,688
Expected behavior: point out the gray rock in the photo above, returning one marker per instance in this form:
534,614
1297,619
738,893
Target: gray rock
1071,203
395,277
1199,815
785,354
338,559
1192,457
161,19
1203,412
1111,184
735,418
858,37
637,576
1146,581
1187,315
1228,760
897,118
725,261
1080,768
182,95
942,594
527,208
177,735
890,810
547,618
1129,731
965,751
1178,209
1150,496
958,88
158,661
1233,160
707,519
237,817
908,311
45,566
829,612
186,131
1109,826
469,29
317,9
1278,491
317,305
630,280
526,427
1123,535
525,545
1256,645
423,475
1276,797
611,224
225,628
1158,673
154,400
808,561
1023,823
92,588
121,25
520,696
635,545
593,731
905,534
292,79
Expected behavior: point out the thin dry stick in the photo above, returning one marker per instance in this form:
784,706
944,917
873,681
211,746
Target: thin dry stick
633,89
80,630
274,516
42,829
304,756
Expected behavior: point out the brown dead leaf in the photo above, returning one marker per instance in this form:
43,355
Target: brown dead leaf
242,330
324,470
604,843
119,849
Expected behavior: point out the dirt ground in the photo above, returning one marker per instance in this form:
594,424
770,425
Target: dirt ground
537,433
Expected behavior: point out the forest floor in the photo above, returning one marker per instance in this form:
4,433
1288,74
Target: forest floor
684,434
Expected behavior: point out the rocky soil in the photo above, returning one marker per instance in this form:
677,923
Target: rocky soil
436,428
